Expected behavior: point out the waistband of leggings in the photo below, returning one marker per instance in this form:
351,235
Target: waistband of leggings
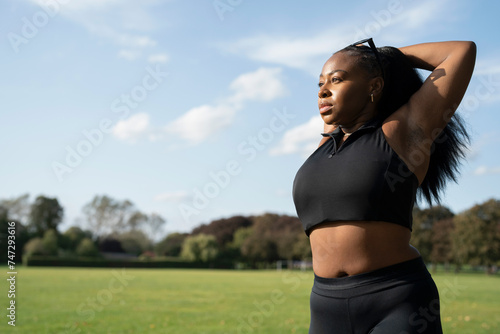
383,278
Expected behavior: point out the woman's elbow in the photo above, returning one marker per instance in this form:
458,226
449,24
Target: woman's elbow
470,49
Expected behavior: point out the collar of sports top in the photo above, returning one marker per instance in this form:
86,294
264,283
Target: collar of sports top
373,123
338,134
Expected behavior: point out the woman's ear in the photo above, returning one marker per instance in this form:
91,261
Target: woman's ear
376,86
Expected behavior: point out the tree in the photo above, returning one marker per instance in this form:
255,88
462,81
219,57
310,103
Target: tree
20,232
288,233
154,223
240,235
476,238
87,248
258,239
223,229
200,247
46,213
423,221
302,248
110,245
441,241
104,215
134,242
34,247
233,249
278,234
72,237
18,209
49,242
124,212
258,248
42,246
171,245
136,220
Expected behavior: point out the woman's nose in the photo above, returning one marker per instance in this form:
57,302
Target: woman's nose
323,92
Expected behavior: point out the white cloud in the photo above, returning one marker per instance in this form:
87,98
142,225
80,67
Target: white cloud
302,139
134,41
78,5
120,14
308,53
481,143
175,196
199,123
305,53
121,21
418,16
129,54
262,85
158,58
130,41
483,170
487,66
132,128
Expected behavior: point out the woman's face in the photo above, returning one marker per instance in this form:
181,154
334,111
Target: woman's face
344,91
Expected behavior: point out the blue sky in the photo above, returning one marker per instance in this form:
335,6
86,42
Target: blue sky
199,110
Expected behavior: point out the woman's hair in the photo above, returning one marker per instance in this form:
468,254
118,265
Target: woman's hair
401,81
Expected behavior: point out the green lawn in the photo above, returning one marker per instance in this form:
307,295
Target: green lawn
79,300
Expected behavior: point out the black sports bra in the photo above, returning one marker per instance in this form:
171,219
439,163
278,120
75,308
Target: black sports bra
363,179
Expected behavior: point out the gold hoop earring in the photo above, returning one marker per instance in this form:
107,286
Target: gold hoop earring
371,96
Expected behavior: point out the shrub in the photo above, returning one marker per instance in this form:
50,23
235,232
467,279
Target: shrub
87,248
34,247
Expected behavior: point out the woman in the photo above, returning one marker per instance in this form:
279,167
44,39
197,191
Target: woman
387,135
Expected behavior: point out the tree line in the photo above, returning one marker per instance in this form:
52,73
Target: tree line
107,225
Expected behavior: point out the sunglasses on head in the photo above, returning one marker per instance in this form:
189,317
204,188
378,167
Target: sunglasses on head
375,51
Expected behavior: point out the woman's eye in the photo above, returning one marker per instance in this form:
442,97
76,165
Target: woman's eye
333,80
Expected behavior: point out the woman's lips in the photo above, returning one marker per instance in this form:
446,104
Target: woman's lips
323,108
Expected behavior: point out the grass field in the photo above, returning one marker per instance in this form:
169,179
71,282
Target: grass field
79,300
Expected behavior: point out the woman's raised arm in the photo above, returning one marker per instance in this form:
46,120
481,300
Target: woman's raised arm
451,63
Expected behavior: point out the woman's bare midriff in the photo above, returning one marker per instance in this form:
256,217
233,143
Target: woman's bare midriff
354,247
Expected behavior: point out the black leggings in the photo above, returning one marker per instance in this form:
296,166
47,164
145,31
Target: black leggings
399,299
